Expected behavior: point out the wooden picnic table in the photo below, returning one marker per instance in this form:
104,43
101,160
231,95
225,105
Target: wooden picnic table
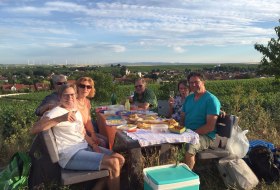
119,141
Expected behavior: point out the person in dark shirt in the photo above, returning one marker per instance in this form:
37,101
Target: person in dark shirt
51,100
143,97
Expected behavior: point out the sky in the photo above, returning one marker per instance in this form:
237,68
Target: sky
99,32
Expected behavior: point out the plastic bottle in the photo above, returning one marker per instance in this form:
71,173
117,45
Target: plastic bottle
113,99
127,105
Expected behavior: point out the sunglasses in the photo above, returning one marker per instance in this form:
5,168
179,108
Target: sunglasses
60,83
85,86
138,86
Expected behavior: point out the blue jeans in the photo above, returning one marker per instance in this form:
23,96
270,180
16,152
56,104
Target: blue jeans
87,159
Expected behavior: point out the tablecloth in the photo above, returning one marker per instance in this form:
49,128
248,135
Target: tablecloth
148,138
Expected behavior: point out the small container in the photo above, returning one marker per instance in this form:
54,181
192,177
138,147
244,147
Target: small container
177,130
159,128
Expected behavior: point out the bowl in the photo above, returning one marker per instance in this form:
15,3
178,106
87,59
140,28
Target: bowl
159,128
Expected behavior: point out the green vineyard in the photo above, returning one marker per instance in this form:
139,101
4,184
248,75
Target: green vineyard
255,101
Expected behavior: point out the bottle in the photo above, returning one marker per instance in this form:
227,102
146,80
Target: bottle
113,99
127,105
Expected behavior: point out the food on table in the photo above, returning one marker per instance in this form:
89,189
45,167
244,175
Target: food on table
128,127
132,118
173,122
115,122
177,129
150,117
141,125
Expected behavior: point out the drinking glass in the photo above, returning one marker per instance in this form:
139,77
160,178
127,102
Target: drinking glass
131,94
171,94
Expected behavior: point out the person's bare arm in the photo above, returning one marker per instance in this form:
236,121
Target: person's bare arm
144,106
209,126
46,123
170,105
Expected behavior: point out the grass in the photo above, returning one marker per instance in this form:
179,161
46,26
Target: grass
258,112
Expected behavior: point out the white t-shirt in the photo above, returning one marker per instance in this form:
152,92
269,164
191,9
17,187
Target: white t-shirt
69,136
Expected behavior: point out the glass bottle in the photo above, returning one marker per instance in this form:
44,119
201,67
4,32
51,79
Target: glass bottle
113,99
127,105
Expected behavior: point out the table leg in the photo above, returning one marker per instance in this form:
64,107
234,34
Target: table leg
165,152
135,168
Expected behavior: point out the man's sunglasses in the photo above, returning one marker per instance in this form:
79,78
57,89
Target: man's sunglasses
85,86
138,86
60,83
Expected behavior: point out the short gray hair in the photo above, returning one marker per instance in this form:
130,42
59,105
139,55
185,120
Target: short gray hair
56,78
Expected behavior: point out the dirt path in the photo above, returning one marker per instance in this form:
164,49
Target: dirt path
3,95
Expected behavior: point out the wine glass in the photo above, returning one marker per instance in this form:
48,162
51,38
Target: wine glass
131,94
171,94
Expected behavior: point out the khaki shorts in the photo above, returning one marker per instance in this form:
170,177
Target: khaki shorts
204,143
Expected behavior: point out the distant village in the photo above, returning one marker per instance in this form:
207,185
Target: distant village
154,76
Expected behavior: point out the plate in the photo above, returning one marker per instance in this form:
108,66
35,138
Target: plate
128,128
115,122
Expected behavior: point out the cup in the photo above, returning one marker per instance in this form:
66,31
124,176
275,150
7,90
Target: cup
171,94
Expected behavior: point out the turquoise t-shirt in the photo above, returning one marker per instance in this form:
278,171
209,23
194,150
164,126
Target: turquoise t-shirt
196,111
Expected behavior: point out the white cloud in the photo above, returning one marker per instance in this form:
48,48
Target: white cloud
178,49
139,24
63,45
117,48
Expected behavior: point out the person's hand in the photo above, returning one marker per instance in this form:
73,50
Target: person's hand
70,116
171,101
95,147
222,114
130,99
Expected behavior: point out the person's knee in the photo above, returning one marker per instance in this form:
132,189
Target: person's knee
114,164
121,159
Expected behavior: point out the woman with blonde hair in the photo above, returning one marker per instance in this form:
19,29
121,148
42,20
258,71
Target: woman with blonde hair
76,151
85,90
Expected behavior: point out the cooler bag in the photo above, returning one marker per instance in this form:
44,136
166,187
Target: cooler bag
170,177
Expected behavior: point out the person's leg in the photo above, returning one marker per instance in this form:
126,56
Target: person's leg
88,160
120,158
114,155
85,159
190,160
192,149
112,164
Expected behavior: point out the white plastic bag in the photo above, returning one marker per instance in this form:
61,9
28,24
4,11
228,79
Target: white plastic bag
238,143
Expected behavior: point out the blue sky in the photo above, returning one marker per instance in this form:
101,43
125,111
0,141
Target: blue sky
97,32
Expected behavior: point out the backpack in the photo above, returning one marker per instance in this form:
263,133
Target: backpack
261,161
15,175
236,173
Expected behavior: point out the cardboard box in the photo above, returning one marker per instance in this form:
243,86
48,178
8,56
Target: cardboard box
169,177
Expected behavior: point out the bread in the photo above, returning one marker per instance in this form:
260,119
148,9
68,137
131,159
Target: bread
141,125
173,122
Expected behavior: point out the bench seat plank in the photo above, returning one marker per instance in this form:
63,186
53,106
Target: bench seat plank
72,177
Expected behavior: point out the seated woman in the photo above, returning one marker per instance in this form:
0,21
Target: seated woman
85,88
76,150
175,104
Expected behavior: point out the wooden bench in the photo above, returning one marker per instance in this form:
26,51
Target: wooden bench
45,168
224,128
